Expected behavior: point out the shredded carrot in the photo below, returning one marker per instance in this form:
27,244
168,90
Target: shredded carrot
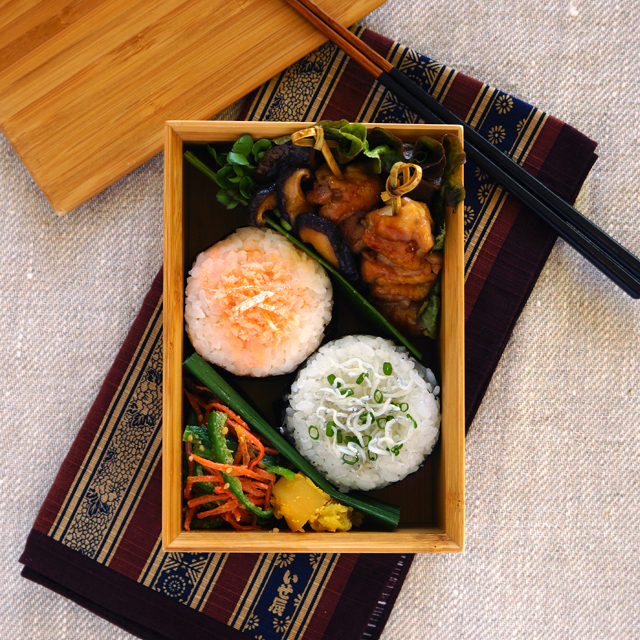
195,403
192,479
227,506
188,447
234,416
230,519
252,485
253,440
223,493
242,444
238,456
233,470
212,478
256,482
194,502
267,497
188,518
264,475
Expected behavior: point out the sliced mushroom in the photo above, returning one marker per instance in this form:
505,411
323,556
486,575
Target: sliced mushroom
263,201
280,158
327,240
291,199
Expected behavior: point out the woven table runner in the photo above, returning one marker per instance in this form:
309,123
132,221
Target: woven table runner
96,539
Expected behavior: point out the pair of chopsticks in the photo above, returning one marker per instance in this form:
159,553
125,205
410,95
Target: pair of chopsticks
595,245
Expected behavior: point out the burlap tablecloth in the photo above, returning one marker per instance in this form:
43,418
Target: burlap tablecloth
553,458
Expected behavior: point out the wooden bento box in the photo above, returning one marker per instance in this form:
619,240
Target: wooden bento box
432,499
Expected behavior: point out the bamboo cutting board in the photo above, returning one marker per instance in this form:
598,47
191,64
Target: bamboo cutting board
86,85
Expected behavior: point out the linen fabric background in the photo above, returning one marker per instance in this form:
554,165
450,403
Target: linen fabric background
553,491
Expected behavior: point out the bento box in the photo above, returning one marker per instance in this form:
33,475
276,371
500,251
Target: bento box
431,500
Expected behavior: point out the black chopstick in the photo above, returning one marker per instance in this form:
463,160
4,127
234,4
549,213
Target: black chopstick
595,245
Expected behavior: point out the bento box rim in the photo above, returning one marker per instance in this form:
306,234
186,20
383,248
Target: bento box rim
449,535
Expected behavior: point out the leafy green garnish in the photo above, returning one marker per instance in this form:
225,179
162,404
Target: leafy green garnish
439,242
237,158
235,169
430,155
386,513
384,149
243,145
428,314
260,148
451,191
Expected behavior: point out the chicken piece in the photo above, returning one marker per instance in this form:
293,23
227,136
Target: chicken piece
358,191
403,315
400,292
404,238
352,229
381,271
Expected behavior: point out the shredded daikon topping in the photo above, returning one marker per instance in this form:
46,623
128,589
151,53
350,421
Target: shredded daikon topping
361,411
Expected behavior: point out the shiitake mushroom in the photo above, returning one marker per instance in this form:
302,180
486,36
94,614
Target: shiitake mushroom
264,200
281,158
327,240
291,198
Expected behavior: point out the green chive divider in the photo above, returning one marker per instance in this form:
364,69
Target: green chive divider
359,301
386,513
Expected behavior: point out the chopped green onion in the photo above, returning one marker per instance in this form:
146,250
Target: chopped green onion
396,450
347,392
382,511
349,439
372,456
366,442
387,369
415,424
329,428
331,378
378,396
339,436
381,422
361,377
363,416
317,432
344,459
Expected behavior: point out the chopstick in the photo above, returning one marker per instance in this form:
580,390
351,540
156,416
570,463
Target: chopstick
588,239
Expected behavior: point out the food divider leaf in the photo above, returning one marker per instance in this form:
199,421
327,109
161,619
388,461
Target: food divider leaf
384,148
451,191
387,514
439,243
430,155
428,315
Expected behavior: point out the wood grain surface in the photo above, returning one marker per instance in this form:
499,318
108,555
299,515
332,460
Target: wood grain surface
86,85
432,500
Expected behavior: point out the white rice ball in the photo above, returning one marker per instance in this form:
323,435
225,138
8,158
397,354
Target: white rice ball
255,304
364,412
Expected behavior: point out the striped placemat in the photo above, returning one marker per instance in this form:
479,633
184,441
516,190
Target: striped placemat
97,537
